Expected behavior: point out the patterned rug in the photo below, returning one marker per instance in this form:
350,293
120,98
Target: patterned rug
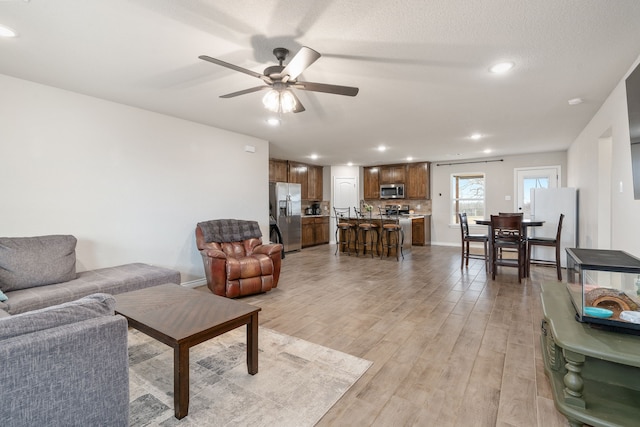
297,381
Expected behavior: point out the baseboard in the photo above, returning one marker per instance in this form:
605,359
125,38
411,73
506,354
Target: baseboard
194,283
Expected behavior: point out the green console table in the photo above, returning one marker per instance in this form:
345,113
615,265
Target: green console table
594,374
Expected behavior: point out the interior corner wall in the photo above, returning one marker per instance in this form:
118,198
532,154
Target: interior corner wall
130,184
585,173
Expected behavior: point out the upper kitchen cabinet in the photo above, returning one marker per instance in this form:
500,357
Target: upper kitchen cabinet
308,176
299,174
417,185
314,183
393,174
278,170
371,183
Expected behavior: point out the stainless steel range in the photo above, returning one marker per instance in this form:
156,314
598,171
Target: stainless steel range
393,209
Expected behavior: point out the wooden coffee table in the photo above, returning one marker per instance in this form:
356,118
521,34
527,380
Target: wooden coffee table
181,318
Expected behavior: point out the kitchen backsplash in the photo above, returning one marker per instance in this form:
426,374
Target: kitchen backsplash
418,206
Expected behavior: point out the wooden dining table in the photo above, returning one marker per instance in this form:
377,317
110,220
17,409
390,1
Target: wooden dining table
526,223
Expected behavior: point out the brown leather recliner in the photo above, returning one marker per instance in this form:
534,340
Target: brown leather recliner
236,263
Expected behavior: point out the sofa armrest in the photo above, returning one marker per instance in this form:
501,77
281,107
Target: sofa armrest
273,251
215,270
76,374
268,249
214,253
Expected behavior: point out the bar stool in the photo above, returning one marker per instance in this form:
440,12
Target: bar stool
392,232
345,229
366,228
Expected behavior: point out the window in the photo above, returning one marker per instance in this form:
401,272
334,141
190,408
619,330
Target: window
467,195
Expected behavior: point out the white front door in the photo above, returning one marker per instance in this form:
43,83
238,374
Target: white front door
529,178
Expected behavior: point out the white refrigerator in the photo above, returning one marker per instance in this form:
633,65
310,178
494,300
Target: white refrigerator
546,205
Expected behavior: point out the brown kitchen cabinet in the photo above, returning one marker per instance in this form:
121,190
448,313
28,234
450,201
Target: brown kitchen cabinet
278,170
315,231
371,183
421,230
308,234
417,231
314,183
298,174
417,185
392,174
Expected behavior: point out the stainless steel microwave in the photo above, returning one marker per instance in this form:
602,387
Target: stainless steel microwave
392,191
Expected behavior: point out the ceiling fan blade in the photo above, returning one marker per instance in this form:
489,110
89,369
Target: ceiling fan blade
305,57
235,68
243,92
299,108
322,87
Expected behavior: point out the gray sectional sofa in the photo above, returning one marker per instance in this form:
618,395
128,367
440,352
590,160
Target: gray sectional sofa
37,272
63,351
65,365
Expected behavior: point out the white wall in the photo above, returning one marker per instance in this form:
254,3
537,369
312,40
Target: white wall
586,172
128,183
499,182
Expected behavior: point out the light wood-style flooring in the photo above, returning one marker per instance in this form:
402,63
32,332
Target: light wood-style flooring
450,347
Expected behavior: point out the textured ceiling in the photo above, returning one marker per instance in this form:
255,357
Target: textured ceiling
421,67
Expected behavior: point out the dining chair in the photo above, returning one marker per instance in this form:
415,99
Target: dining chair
392,231
549,242
345,230
520,214
506,233
467,238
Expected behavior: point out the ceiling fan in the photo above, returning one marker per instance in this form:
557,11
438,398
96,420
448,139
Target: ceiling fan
281,79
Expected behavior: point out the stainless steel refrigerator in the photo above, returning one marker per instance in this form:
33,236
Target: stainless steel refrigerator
285,202
546,205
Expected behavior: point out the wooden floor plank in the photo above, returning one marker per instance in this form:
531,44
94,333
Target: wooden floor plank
449,347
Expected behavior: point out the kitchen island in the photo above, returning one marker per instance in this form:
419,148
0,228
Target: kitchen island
405,224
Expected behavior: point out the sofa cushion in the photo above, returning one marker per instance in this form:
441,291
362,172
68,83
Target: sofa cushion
91,306
26,262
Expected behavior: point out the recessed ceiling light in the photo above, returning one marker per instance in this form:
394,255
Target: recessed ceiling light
575,101
350,164
487,151
7,32
476,136
382,148
502,67
273,122
314,156
409,159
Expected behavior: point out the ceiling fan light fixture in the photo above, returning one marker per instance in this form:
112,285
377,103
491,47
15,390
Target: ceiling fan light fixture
279,101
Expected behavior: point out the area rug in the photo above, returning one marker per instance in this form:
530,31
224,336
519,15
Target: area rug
297,381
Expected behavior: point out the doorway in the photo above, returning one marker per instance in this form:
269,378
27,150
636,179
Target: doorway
529,178
345,195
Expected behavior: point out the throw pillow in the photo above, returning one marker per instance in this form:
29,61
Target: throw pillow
27,262
95,305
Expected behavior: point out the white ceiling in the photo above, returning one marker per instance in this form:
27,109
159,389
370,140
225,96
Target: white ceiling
421,66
